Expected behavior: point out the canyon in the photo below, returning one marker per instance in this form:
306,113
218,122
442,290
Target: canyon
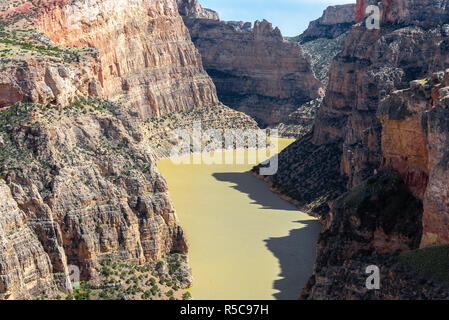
255,69
384,110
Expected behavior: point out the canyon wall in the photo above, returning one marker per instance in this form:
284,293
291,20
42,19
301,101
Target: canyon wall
144,52
415,142
254,69
372,64
79,82
384,119
335,21
324,38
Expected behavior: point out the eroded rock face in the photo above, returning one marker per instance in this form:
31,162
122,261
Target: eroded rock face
371,65
87,184
193,9
145,55
47,80
378,217
335,21
25,268
80,170
254,69
415,142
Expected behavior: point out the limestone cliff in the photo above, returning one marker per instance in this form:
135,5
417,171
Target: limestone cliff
254,69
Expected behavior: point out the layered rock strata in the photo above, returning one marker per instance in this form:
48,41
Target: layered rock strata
372,64
382,127
335,21
415,142
145,55
87,184
367,227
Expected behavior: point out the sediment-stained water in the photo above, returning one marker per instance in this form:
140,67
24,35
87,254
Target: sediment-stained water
245,241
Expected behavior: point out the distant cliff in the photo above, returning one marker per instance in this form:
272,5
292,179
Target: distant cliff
254,69
378,115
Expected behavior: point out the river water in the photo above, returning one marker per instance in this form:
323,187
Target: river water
245,241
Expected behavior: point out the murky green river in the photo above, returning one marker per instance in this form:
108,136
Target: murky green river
245,241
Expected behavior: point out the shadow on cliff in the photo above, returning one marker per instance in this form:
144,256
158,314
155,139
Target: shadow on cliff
256,190
296,254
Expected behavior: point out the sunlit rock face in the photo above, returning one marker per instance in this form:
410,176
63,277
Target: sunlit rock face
193,9
79,183
144,51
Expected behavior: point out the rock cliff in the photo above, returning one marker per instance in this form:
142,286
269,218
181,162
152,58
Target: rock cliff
383,118
145,55
193,9
335,21
372,64
254,69
79,82
415,142
325,37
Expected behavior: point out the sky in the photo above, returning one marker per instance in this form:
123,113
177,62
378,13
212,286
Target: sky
291,16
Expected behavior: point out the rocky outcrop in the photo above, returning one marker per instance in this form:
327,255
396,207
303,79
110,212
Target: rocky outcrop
254,69
335,21
385,120
42,79
368,226
324,38
87,185
415,142
80,180
371,65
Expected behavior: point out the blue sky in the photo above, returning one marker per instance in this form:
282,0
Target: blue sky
291,16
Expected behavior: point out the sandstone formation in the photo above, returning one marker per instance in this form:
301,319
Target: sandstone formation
325,37
254,69
44,80
87,184
381,118
25,268
369,226
193,9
